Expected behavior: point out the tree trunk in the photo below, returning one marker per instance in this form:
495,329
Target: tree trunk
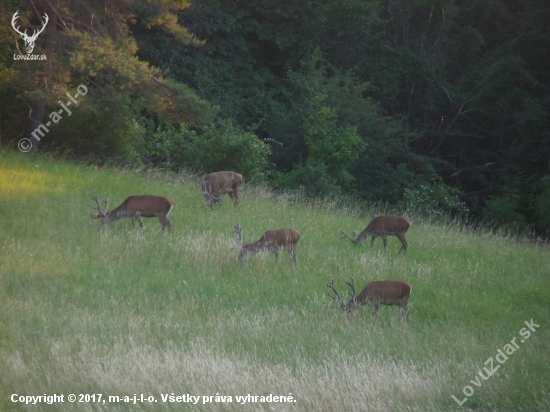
37,132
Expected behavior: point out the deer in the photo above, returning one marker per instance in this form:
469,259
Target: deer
382,226
380,292
272,241
214,185
136,207
29,40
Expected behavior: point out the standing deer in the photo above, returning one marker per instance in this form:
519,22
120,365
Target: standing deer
381,292
214,185
136,207
382,226
272,241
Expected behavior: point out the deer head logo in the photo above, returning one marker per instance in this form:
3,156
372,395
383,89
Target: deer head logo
29,40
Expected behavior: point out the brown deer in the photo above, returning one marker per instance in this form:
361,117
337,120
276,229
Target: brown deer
383,226
272,241
214,185
381,292
136,207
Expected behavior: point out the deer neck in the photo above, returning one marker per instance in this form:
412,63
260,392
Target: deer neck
352,305
114,214
251,248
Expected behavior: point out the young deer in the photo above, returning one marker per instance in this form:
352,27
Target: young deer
382,226
214,185
272,241
136,207
381,292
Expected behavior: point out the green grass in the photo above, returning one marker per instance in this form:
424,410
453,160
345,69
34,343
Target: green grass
118,311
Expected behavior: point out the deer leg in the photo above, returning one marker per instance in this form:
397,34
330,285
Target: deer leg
168,224
404,311
235,197
385,239
138,219
404,243
292,253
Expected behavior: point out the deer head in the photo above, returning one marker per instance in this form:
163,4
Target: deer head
101,214
349,306
29,40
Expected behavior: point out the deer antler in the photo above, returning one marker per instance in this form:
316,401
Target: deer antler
98,208
352,286
354,240
337,297
238,229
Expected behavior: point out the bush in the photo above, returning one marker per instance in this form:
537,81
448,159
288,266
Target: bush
212,148
433,198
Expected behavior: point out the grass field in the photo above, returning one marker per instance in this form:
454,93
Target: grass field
116,311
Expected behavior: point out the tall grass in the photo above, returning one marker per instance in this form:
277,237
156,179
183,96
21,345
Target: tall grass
118,311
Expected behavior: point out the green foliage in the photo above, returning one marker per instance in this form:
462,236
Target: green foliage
433,198
512,207
221,146
329,144
83,133
86,45
543,206
312,178
362,97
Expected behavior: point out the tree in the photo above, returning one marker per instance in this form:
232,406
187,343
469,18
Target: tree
93,46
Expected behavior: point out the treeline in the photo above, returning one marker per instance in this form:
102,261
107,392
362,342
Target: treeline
440,106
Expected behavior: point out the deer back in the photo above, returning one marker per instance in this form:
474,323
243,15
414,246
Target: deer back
225,181
277,238
146,206
385,292
387,226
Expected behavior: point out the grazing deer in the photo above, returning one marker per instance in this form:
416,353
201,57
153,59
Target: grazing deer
136,207
216,184
272,241
382,226
381,292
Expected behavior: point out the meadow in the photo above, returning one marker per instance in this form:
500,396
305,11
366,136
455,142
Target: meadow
116,311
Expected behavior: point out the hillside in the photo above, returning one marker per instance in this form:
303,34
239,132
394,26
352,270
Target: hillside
116,311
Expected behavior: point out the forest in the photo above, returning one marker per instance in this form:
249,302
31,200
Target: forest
439,106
